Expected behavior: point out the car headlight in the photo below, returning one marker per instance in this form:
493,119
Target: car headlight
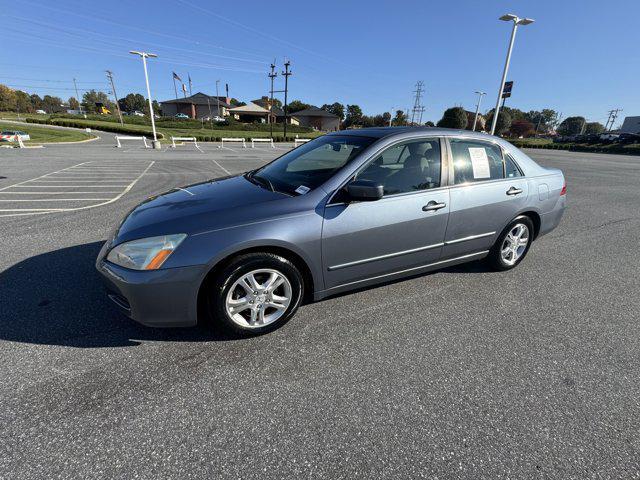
145,253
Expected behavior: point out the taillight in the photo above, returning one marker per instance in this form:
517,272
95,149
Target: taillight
564,189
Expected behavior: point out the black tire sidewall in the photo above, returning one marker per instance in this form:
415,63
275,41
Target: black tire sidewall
495,259
241,266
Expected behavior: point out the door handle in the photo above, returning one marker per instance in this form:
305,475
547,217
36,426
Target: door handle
432,206
514,191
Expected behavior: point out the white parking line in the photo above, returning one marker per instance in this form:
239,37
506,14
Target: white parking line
54,193
55,200
13,212
46,174
223,169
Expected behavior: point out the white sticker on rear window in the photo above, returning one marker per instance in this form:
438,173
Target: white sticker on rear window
479,162
302,189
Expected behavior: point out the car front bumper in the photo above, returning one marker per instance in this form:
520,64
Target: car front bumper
156,298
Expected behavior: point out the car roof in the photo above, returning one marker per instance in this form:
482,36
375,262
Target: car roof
383,132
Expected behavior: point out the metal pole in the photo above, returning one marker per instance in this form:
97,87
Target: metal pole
175,89
113,87
217,97
146,78
475,119
77,96
272,76
391,116
286,74
504,78
210,119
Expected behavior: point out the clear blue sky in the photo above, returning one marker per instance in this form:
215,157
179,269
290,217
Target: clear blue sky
580,57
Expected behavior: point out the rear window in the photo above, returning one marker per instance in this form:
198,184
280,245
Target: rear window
476,161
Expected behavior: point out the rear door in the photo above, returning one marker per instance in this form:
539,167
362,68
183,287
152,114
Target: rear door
403,230
487,191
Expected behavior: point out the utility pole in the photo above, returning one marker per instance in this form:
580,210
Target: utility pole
272,77
286,75
613,115
113,89
475,119
418,109
77,96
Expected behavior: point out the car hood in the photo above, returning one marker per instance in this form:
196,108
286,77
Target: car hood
217,203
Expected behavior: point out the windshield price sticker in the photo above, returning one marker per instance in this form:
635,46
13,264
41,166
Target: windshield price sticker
480,163
302,189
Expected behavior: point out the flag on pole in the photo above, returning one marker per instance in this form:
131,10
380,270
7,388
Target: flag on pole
189,75
176,77
184,88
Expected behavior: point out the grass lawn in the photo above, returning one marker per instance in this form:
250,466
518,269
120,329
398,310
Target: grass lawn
44,134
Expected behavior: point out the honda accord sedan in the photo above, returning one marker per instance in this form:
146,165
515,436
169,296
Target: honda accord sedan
347,210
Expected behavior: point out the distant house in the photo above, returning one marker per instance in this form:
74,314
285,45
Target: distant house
630,125
198,105
319,119
278,112
249,113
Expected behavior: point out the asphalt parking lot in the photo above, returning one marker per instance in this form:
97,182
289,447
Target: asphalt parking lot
463,373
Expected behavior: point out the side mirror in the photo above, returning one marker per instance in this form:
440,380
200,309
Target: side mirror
364,190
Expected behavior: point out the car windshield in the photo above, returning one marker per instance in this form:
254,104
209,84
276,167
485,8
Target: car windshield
311,164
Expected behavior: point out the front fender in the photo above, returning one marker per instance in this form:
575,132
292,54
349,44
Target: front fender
300,234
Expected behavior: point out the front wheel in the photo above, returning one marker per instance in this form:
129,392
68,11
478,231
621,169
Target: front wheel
256,293
512,244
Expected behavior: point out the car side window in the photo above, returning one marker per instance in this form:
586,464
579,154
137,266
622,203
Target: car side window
476,161
406,167
511,169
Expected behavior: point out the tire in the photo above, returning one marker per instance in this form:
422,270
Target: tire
256,293
509,250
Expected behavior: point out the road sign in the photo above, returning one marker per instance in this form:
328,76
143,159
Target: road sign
506,91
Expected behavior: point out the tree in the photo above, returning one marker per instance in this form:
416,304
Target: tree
36,101
335,108
429,124
503,123
264,101
73,103
132,102
521,128
400,119
23,102
571,126
234,102
454,117
593,128
7,99
354,116
90,98
296,106
51,104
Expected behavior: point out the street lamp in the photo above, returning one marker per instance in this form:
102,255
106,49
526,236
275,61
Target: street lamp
516,22
144,55
475,119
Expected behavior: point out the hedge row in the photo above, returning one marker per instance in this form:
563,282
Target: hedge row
207,138
115,128
633,149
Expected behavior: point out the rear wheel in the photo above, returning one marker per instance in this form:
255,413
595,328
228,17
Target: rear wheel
256,293
512,244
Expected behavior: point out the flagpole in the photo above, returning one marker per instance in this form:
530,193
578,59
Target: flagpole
174,87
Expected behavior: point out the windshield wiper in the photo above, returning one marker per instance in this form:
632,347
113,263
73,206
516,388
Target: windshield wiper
264,181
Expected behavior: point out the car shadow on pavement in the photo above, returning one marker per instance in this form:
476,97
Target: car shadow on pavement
57,298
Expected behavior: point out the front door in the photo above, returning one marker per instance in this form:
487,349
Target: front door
403,230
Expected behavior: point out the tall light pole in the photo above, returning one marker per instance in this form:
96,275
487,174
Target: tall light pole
516,22
144,55
475,119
